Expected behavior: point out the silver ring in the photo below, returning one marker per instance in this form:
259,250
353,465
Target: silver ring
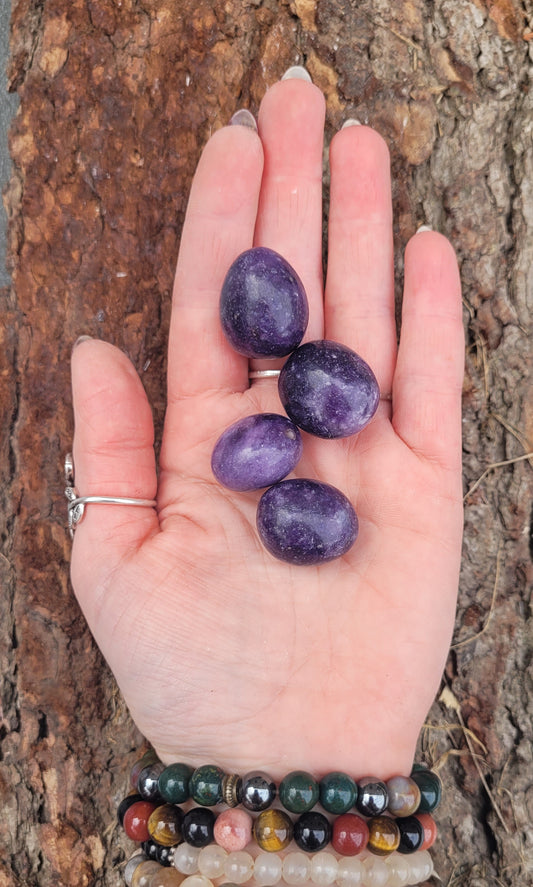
76,504
263,374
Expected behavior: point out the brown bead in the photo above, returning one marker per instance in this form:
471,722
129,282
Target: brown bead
273,830
383,835
164,825
167,877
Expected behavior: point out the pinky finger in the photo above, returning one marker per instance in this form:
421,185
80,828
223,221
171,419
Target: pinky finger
429,370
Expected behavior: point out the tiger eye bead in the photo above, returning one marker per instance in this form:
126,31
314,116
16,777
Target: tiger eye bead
411,834
338,792
273,830
165,825
383,835
404,796
298,791
206,785
430,789
372,797
174,783
258,791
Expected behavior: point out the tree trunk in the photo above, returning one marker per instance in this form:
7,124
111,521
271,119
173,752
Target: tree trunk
117,100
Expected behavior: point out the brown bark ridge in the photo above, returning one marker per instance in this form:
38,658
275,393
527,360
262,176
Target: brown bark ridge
117,98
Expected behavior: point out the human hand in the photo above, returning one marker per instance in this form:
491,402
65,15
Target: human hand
224,654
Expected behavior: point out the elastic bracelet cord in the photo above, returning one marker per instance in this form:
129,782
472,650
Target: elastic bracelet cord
174,813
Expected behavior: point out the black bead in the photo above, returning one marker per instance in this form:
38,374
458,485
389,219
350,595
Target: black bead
197,827
258,791
147,784
125,804
149,848
164,855
312,831
411,834
372,797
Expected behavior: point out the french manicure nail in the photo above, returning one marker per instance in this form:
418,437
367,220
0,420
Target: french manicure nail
350,122
297,72
243,117
423,228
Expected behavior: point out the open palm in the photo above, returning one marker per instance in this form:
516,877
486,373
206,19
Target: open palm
223,653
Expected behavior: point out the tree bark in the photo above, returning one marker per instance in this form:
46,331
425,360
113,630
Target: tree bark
116,102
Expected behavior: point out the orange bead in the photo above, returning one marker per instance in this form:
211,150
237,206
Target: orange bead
430,830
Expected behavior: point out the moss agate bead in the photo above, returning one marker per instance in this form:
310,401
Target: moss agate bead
383,835
372,796
404,796
258,791
174,783
312,831
299,791
206,785
273,830
430,789
165,825
338,792
411,834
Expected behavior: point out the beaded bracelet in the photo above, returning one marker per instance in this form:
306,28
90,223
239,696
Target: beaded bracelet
206,866
298,792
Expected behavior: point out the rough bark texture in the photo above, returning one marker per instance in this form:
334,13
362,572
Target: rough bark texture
117,99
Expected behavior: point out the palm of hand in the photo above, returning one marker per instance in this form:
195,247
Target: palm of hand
225,654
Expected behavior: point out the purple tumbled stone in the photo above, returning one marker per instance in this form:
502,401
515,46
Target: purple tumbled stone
263,305
328,390
256,451
306,522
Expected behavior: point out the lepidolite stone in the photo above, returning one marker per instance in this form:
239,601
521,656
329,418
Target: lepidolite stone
256,451
263,305
328,390
306,522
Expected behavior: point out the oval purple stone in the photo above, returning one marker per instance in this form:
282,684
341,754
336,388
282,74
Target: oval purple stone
306,522
256,451
328,390
263,305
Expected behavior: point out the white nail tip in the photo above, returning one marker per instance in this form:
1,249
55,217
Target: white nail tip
423,228
297,72
244,118
350,122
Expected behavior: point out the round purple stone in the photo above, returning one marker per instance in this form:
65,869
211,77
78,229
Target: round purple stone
306,522
263,305
328,390
256,451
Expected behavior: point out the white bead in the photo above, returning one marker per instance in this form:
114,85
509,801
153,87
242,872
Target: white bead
267,869
399,870
376,872
186,859
350,872
427,862
196,881
238,867
421,867
324,868
296,868
211,860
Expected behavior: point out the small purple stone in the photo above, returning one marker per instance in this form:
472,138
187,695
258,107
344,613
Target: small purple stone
256,451
263,305
306,522
328,390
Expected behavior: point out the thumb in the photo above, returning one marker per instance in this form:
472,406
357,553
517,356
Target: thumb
113,456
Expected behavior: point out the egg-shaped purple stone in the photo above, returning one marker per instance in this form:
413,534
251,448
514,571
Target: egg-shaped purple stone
306,522
328,390
256,451
263,305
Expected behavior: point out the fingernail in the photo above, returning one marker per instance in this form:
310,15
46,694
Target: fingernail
244,118
81,339
350,122
297,72
423,228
